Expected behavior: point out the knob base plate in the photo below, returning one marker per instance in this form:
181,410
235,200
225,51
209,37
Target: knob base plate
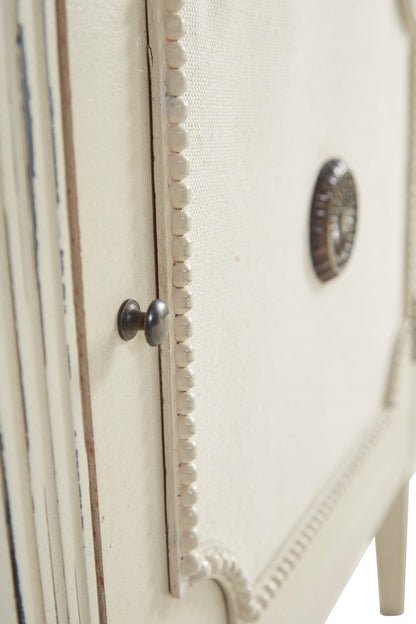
130,319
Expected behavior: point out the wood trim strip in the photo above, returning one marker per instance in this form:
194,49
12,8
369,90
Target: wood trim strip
78,295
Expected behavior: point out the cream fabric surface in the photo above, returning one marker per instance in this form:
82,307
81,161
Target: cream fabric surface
288,371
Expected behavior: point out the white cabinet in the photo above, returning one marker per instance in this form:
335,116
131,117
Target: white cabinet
271,435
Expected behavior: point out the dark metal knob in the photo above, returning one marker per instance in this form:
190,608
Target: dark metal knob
155,322
333,220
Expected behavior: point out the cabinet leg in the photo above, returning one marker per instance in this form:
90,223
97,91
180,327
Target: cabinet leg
391,543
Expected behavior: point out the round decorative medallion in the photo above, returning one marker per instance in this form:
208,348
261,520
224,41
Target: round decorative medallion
333,219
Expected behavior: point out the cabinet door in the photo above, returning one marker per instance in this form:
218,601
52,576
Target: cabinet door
112,216
276,433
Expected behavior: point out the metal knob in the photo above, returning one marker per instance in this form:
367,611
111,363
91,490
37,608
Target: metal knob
154,322
333,221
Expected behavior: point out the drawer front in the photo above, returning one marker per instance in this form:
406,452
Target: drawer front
294,377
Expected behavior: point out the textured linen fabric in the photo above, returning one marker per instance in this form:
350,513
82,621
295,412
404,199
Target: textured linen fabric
288,371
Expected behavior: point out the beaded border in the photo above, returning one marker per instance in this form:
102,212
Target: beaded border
179,198
169,110
187,565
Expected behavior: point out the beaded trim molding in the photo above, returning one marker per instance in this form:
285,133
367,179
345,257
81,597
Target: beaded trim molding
189,563
169,111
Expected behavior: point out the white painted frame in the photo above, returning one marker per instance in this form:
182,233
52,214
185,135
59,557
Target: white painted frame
44,458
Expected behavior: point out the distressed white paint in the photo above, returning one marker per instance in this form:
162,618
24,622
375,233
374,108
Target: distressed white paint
245,465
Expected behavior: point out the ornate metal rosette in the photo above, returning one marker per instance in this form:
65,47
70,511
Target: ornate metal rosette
333,219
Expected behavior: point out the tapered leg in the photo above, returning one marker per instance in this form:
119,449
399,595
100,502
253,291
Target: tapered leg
391,555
